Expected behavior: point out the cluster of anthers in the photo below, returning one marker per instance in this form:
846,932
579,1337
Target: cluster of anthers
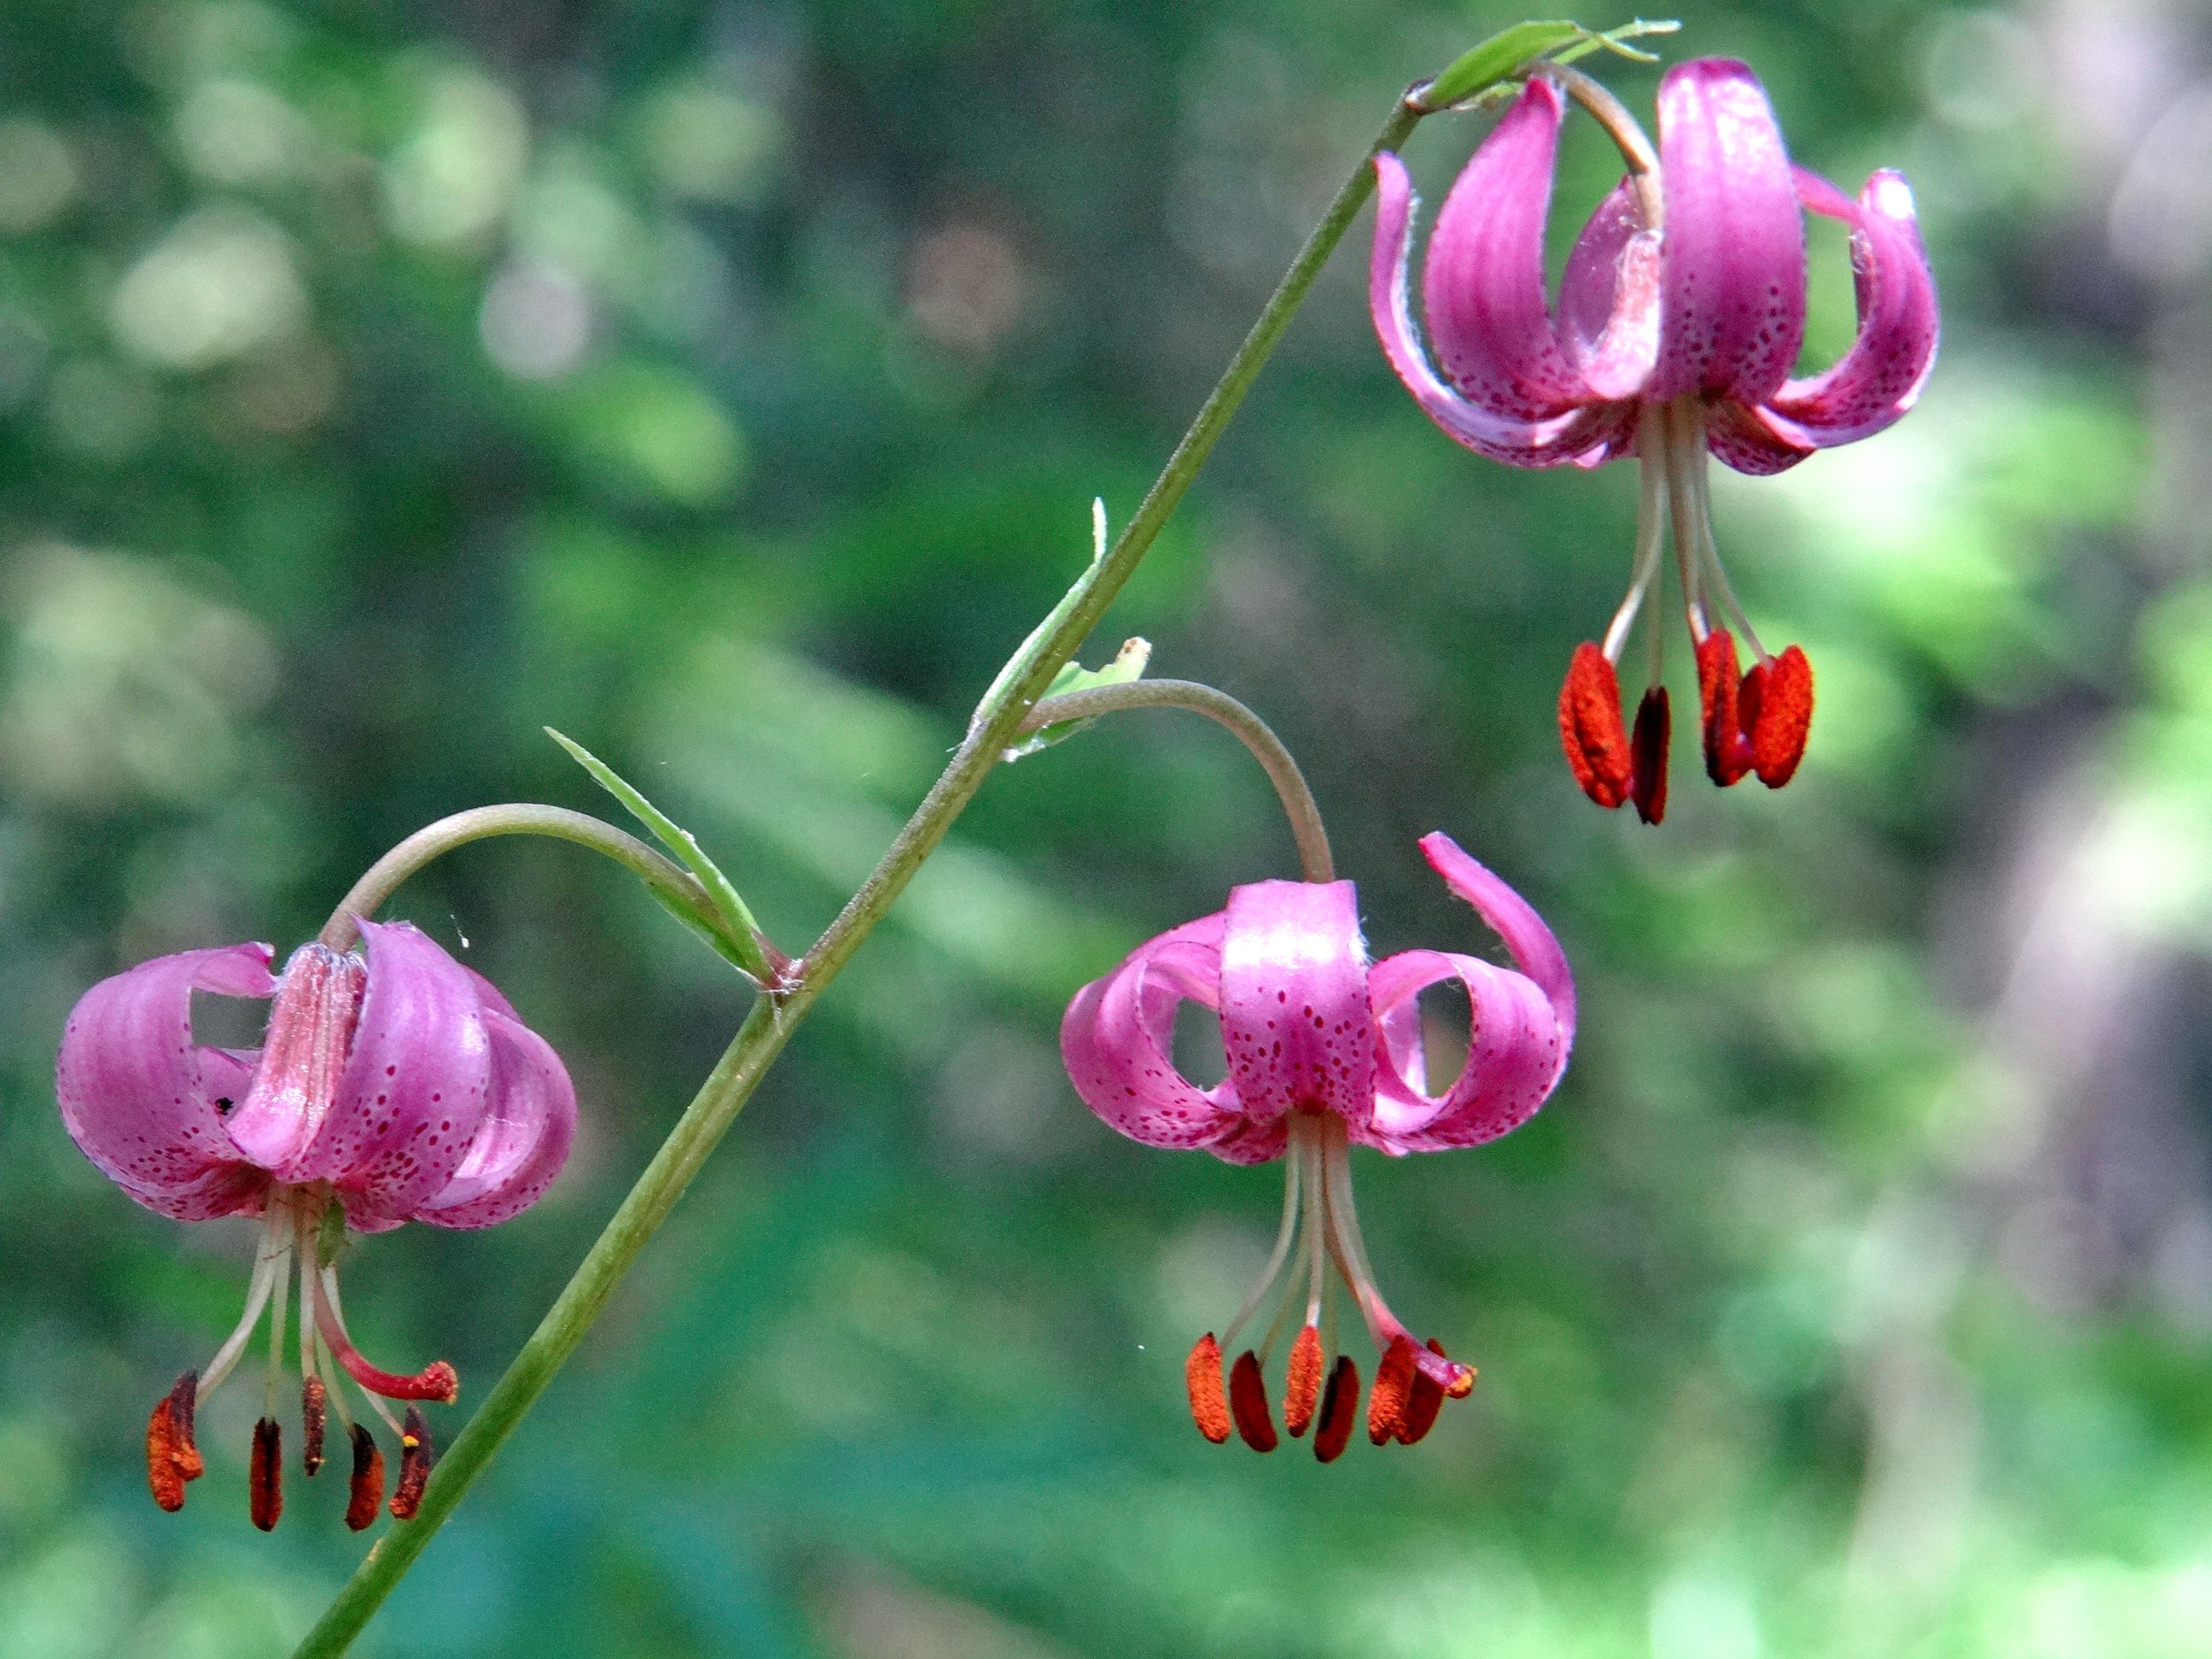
1319,1243
301,1224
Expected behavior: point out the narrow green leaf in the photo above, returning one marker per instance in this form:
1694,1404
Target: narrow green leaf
739,943
1129,664
1496,58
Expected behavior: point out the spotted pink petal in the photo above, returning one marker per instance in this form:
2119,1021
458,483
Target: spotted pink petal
1520,1023
1882,374
416,1083
1482,283
1746,439
529,1123
138,1096
1295,1019
1732,263
1118,1041
1609,298
1549,442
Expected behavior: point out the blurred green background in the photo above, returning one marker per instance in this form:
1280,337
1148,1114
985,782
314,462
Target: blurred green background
727,385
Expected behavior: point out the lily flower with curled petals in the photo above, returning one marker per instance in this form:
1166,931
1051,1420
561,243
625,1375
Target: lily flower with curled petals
1678,319
1323,1049
393,1088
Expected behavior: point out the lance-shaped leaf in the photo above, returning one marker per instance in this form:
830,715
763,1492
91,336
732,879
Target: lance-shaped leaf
1488,66
739,938
1129,664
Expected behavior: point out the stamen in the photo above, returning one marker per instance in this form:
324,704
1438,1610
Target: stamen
1591,731
1782,717
1650,534
414,1456
1248,1400
279,1290
314,1415
1201,1378
1340,1410
1301,1388
1728,753
1394,1381
1285,1234
1423,1402
436,1380
172,1457
1647,785
265,1475
365,1495
1351,1255
1680,426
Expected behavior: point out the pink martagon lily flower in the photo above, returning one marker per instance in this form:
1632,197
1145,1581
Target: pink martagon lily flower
400,1087
1323,1049
1679,317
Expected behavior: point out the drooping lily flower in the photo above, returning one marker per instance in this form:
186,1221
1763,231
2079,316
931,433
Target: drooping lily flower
1323,1049
398,1088
1678,319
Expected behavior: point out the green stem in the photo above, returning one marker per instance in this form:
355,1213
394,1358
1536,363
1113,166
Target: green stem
384,878
1218,706
769,1027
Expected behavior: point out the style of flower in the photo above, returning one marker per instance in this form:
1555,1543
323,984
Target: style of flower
401,1087
1680,316
1323,1049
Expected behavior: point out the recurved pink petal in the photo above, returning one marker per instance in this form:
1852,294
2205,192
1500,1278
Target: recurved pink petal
1482,284
1515,1050
139,1096
1609,298
529,1123
1295,1019
415,1085
1535,949
1748,440
1732,262
1882,375
1118,1041
1517,442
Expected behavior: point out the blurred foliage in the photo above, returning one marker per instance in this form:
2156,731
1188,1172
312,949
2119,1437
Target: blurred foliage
727,385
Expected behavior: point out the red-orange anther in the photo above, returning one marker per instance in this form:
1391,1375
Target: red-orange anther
171,1458
1201,1376
1784,718
1590,729
1727,752
1394,1380
365,1494
1247,1403
414,1454
1647,781
1340,1410
265,1477
1301,1388
314,1418
1422,1401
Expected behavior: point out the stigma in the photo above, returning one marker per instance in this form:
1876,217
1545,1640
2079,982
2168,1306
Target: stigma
1319,1258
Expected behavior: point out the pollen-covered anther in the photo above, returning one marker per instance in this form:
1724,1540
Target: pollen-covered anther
414,1456
265,1475
1590,730
1302,1388
1201,1376
1422,1401
1339,1410
365,1493
1394,1384
1783,718
1248,1403
1728,750
1647,781
171,1458
314,1420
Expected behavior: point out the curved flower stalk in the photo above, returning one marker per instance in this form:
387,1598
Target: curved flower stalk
1677,322
1323,1049
394,1088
